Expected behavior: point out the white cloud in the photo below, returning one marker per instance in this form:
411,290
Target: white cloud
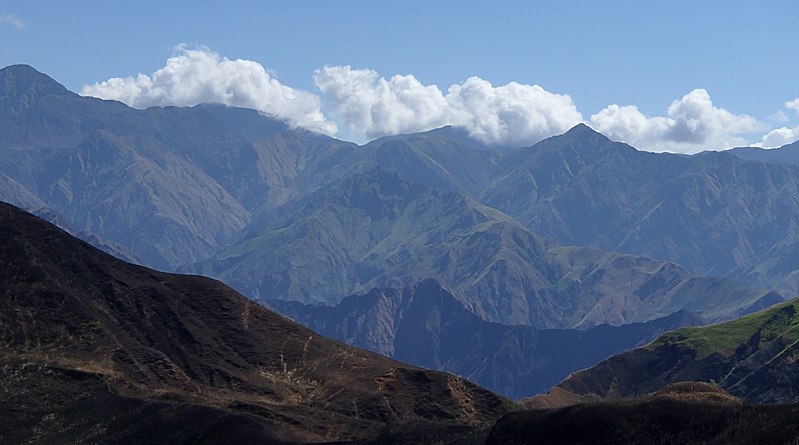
793,104
692,124
197,75
512,114
372,106
779,116
779,137
8,18
783,135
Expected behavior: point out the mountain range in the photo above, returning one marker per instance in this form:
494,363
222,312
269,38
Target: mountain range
515,267
373,229
98,350
177,185
576,231
712,213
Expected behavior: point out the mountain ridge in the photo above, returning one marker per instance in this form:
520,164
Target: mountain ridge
430,326
246,169
788,153
177,167
22,86
712,213
374,229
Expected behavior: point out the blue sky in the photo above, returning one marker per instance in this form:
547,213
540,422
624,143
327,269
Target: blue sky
682,75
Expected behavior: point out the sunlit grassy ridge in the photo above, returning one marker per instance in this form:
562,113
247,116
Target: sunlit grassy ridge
725,338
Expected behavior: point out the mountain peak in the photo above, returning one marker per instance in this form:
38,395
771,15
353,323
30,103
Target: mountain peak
22,85
581,137
581,131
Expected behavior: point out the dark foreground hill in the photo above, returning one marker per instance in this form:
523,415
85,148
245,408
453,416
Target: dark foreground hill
687,413
753,357
95,349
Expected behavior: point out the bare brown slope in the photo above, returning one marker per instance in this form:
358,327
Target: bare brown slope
154,337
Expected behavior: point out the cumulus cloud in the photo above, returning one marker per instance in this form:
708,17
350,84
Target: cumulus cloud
793,104
371,106
513,114
9,19
374,106
692,124
783,135
779,137
197,75
779,116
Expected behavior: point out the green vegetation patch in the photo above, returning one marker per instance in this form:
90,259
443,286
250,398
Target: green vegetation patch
778,321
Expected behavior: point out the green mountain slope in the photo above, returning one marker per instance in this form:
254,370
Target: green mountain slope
752,357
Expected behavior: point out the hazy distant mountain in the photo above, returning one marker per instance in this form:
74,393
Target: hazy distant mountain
345,236
713,213
428,326
376,230
12,191
106,246
453,134
170,184
438,159
787,154
95,349
176,186
752,357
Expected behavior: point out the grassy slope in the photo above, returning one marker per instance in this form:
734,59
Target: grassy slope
725,338
752,357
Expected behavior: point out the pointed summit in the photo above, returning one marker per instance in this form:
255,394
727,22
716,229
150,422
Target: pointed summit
582,131
21,86
581,139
